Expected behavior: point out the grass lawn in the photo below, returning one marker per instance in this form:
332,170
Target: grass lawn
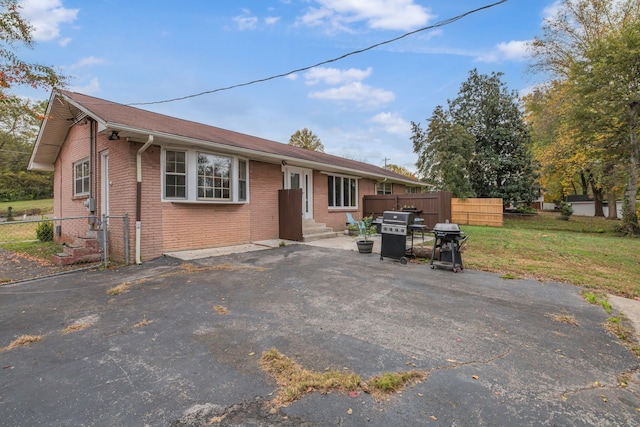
583,251
30,207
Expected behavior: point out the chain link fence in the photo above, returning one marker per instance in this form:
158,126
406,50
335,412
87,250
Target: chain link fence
37,247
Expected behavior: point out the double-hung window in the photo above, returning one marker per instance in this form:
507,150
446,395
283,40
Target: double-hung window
384,188
81,177
192,176
342,191
175,175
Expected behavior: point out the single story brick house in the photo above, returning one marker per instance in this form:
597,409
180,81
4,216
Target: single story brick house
190,185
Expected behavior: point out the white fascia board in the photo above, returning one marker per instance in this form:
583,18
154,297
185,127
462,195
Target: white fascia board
277,158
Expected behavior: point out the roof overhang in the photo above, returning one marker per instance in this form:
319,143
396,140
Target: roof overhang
170,140
63,112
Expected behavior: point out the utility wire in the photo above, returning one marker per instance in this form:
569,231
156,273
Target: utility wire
355,52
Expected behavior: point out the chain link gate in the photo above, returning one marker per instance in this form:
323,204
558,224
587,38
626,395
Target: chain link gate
35,248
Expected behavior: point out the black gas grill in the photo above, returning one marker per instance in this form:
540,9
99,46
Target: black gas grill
394,229
449,240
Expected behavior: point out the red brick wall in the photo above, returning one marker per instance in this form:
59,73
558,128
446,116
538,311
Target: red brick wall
336,218
75,148
167,226
265,180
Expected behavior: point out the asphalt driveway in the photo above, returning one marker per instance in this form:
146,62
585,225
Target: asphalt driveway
182,346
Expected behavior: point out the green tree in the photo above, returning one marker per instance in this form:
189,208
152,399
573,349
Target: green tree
480,145
17,133
609,75
14,72
399,170
306,139
591,47
444,154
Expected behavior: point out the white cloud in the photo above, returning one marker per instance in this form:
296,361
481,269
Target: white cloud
270,20
551,10
292,76
363,95
392,123
65,41
87,62
246,21
46,17
515,50
335,76
92,88
377,14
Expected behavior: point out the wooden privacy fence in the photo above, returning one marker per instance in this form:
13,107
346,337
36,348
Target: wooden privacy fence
432,207
477,212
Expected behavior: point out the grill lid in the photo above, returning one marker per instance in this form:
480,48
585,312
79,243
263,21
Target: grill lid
393,217
447,227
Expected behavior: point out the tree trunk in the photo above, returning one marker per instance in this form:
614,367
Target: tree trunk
613,205
630,217
585,185
609,191
597,196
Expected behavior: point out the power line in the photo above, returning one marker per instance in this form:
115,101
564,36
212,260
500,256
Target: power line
355,52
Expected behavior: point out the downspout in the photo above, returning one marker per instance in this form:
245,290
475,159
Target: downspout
139,194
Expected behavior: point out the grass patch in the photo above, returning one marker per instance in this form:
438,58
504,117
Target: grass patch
583,251
29,207
221,309
296,381
391,382
18,231
22,340
615,326
143,323
599,299
563,318
76,327
37,251
118,290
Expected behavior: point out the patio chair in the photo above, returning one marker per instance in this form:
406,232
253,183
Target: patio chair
360,224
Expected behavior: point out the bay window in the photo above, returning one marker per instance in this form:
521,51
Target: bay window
193,176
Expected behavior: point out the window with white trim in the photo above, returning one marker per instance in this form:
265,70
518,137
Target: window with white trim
175,175
414,190
384,188
342,191
242,180
81,177
214,177
192,176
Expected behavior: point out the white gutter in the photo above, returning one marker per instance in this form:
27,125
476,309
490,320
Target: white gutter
139,194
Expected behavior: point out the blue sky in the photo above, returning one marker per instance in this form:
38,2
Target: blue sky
360,107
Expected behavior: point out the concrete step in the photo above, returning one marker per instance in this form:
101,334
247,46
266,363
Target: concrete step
318,228
82,250
63,258
319,236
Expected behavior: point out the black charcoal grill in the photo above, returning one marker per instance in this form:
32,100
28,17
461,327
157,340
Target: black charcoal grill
449,240
394,229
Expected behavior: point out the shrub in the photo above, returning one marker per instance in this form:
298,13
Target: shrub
565,210
44,231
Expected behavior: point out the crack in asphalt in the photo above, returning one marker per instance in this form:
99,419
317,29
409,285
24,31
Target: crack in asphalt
597,386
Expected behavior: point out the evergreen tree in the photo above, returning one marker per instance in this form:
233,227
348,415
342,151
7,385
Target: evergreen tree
480,145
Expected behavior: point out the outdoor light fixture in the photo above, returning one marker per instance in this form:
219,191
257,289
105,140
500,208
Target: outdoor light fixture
114,136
